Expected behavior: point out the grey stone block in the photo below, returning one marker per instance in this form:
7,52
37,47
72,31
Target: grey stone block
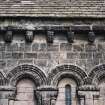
44,56
35,47
43,47
72,55
30,55
79,47
91,48
52,47
16,55
85,55
2,64
6,55
65,47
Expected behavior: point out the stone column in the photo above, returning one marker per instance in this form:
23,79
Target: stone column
46,95
87,94
6,93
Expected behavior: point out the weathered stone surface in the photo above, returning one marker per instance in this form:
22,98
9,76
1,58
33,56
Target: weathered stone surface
6,55
48,64
12,47
86,55
72,55
41,63
2,47
78,47
80,28
30,55
25,61
2,64
43,47
65,47
44,55
52,47
91,48
35,47
97,55
16,55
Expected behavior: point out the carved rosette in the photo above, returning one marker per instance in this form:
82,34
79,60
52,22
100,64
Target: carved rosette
8,36
29,36
50,36
70,36
91,37
47,95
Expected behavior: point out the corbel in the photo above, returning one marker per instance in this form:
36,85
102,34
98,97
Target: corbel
8,36
91,37
29,36
70,36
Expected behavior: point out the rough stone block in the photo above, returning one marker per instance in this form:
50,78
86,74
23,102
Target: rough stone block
52,47
30,55
11,63
2,64
12,47
21,47
44,56
91,63
35,47
41,63
25,61
2,47
43,47
97,55
65,47
78,47
28,47
72,55
16,55
91,48
101,47
6,55
80,28
81,63
85,55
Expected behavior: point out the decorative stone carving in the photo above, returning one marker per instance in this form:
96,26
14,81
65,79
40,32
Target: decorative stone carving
26,71
8,36
87,94
97,74
29,36
70,36
50,36
66,71
47,95
91,37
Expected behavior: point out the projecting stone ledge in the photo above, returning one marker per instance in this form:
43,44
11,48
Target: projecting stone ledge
51,31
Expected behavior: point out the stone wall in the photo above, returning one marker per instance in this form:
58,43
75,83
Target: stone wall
49,57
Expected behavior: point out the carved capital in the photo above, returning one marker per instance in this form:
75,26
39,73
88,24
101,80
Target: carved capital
8,36
50,36
47,95
91,37
70,36
29,36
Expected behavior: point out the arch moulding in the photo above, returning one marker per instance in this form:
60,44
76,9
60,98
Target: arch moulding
66,71
26,71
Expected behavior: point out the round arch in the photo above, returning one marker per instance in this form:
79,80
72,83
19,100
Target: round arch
97,74
69,71
26,71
